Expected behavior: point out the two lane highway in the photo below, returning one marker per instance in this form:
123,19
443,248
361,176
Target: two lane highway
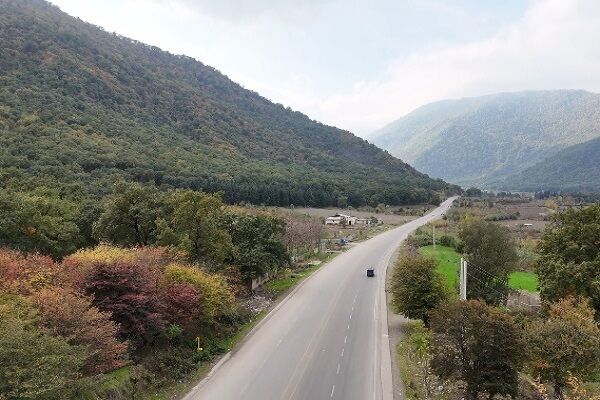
326,340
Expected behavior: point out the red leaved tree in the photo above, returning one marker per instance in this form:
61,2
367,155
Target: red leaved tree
180,303
127,291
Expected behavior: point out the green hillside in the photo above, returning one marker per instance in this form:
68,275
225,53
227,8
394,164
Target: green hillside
481,141
574,169
81,107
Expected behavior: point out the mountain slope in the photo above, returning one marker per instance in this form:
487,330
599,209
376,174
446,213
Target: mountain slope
80,107
574,169
483,140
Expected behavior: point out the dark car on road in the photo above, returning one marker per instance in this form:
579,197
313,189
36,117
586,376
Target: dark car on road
370,272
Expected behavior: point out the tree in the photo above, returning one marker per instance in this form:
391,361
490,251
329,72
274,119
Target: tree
35,365
62,312
569,262
492,256
564,345
24,273
192,224
301,234
473,192
417,287
478,345
127,292
38,221
129,215
213,294
181,303
257,243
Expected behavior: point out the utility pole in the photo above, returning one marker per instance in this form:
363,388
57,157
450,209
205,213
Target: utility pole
463,279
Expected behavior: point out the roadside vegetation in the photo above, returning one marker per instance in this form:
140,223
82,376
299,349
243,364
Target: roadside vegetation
162,289
495,345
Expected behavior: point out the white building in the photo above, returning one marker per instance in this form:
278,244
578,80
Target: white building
341,219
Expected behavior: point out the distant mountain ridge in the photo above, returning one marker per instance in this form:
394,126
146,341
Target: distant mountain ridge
574,169
81,107
484,140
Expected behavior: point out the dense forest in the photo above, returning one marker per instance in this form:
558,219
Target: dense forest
482,140
81,107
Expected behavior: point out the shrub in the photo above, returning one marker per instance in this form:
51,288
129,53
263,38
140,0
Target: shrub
447,240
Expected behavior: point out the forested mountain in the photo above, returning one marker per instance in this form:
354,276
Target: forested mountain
574,169
481,141
81,107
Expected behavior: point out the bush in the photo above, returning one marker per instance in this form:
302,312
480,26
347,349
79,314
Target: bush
448,241
420,240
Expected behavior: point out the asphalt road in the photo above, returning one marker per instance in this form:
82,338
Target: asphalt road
327,340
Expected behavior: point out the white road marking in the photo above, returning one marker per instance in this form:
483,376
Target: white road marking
332,390
348,326
342,355
338,369
346,339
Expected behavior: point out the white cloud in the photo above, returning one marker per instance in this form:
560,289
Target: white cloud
553,46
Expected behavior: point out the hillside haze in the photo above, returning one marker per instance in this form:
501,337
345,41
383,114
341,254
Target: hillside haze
482,141
81,107
574,169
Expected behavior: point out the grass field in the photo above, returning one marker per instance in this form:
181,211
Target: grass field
449,266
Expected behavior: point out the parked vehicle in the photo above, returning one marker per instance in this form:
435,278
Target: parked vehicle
370,272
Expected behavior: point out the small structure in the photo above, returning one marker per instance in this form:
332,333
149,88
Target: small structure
364,221
341,219
255,283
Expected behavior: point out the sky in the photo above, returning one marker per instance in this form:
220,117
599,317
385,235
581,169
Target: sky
361,64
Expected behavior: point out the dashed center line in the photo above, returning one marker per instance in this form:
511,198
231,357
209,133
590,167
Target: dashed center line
346,339
342,355
338,369
332,390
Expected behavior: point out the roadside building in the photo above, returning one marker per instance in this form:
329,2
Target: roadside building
341,219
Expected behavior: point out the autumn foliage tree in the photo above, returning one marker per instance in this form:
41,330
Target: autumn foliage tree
21,273
62,312
127,291
180,304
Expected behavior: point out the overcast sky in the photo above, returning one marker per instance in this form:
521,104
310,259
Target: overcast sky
360,64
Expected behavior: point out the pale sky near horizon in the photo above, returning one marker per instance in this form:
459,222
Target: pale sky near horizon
360,64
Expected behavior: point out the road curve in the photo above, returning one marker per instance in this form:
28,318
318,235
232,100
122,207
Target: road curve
326,340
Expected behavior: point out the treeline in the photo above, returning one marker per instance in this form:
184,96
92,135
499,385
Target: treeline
159,270
478,348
